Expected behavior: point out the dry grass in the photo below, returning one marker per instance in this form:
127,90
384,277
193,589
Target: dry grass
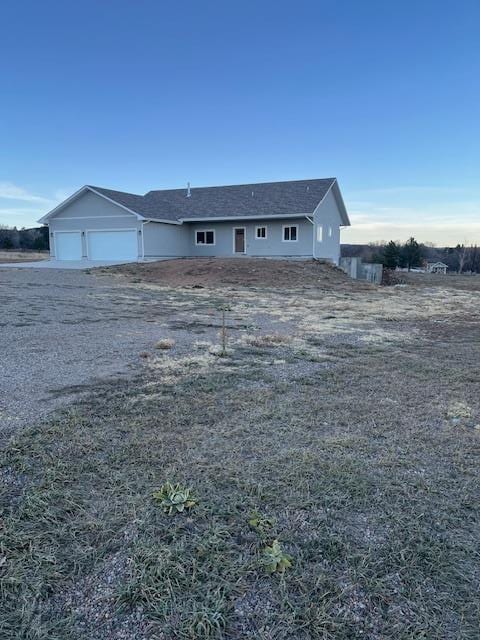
7,257
355,439
266,340
165,344
449,281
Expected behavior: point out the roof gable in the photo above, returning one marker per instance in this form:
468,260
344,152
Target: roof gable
78,194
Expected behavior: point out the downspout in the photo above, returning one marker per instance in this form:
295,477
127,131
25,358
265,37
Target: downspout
143,238
313,235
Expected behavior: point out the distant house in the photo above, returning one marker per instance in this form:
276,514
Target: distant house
300,218
437,267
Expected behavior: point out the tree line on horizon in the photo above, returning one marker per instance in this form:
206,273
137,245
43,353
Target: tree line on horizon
412,254
35,239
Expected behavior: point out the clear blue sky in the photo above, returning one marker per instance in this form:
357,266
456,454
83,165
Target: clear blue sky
149,94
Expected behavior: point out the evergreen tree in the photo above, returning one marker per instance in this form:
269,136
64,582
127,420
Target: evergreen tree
39,244
391,255
411,255
6,243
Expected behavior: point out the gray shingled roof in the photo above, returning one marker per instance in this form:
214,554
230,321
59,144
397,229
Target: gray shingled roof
241,200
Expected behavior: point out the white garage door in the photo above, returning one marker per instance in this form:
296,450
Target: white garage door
68,245
112,245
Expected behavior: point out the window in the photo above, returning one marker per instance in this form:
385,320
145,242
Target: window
319,233
290,233
204,237
330,232
261,233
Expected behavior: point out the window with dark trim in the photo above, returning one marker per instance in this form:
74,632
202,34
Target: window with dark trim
204,237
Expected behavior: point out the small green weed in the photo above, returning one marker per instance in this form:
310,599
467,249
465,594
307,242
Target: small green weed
174,498
275,560
261,524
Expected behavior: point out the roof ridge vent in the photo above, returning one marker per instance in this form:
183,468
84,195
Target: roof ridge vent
188,190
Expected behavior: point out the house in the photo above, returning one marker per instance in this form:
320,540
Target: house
437,267
300,219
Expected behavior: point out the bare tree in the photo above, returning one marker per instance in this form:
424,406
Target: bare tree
461,251
474,258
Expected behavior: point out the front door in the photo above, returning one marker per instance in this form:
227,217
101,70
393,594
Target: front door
239,240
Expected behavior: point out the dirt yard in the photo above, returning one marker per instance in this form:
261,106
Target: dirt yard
7,257
343,421
239,272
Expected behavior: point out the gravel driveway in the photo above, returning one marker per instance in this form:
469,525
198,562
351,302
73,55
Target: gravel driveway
62,330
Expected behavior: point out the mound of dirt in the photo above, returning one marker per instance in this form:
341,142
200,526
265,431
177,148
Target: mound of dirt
240,272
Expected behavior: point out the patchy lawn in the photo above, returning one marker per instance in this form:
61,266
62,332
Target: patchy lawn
344,423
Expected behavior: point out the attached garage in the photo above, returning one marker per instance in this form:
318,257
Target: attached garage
68,245
90,226
120,244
